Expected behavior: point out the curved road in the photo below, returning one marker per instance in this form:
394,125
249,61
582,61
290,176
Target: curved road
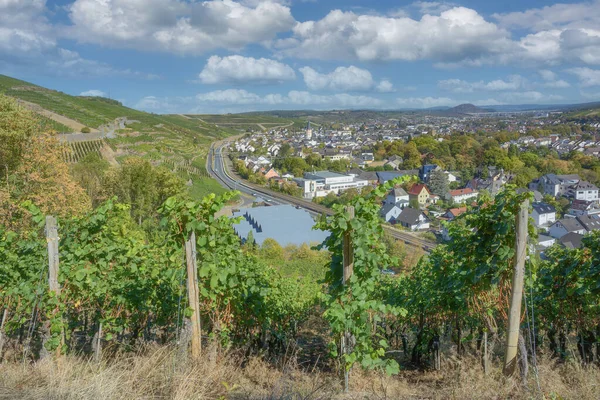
217,167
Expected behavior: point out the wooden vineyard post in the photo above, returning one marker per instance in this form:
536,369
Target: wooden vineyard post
4,318
348,265
485,353
514,316
193,295
53,262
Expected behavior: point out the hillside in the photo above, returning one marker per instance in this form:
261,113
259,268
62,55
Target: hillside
177,141
468,109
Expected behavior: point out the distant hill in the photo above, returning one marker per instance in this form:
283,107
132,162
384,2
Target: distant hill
96,111
180,143
468,109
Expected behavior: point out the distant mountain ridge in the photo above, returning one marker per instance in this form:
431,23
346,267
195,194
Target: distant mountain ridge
468,108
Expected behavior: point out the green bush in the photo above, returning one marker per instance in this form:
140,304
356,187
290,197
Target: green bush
85,129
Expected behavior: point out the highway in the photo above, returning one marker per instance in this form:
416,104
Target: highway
217,166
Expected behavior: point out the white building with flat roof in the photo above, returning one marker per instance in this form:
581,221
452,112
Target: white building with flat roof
321,183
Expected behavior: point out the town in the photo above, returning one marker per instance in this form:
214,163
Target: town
329,165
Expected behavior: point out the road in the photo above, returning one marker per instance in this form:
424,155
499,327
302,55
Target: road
217,165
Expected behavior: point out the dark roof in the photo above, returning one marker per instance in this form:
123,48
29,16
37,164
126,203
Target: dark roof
409,216
571,224
571,240
589,222
386,209
397,192
583,185
543,208
384,176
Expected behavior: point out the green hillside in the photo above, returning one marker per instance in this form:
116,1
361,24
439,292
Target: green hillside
181,143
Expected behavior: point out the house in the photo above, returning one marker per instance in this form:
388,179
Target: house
413,219
543,214
589,222
554,185
396,195
367,157
582,207
545,241
394,162
421,193
571,240
492,182
454,212
566,225
425,171
459,196
451,177
389,212
271,173
583,191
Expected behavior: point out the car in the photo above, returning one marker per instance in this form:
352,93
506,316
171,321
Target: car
388,272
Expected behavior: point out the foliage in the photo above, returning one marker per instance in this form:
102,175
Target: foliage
438,183
353,310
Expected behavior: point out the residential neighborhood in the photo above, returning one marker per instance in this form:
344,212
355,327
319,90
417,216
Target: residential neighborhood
351,155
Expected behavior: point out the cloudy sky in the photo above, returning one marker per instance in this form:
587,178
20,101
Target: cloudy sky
230,56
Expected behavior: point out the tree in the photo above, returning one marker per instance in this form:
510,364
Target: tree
438,183
89,173
270,249
33,169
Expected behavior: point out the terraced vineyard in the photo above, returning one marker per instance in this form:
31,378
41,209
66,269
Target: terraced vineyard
75,151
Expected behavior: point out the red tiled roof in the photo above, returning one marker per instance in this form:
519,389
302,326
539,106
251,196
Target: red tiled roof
459,192
457,211
416,189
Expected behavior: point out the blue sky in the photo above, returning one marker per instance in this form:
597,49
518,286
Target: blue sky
232,56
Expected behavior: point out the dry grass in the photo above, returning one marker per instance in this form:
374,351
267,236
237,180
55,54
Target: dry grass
161,373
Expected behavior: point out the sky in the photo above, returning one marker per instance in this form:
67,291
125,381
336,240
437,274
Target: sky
220,56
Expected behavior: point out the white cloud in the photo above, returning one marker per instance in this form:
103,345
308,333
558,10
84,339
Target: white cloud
457,34
29,41
529,97
240,70
587,76
432,7
561,32
551,80
93,93
564,16
426,102
177,26
385,86
344,79
238,100
513,82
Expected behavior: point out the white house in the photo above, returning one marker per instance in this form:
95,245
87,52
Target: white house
583,191
413,219
462,195
396,195
545,241
543,214
389,212
451,177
